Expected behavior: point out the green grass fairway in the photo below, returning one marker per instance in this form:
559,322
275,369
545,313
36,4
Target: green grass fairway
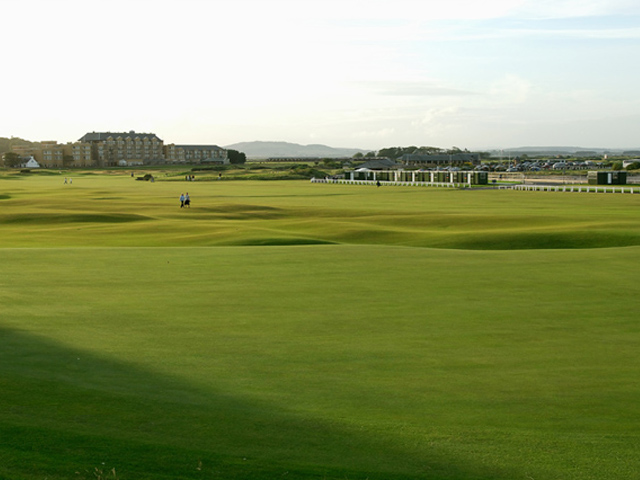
119,211
309,331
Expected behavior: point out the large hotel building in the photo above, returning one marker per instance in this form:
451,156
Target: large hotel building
108,149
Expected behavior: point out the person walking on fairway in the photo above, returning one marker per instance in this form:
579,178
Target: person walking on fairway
182,200
187,200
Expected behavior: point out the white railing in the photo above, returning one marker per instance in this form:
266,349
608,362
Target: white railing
386,183
528,188
573,188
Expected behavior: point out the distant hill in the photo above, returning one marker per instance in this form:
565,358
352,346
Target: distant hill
292,150
559,150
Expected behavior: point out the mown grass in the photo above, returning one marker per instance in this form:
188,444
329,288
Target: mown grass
240,213
161,352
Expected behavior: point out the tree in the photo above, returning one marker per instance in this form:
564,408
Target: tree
427,150
331,163
11,159
634,166
358,155
235,157
67,160
391,152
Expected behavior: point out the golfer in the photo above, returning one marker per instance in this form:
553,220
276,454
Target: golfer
182,200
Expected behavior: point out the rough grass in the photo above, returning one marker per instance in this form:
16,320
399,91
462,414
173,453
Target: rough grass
240,213
373,357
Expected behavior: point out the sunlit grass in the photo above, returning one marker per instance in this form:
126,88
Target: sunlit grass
232,341
117,211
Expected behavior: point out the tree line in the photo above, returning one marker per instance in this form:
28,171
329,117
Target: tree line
395,153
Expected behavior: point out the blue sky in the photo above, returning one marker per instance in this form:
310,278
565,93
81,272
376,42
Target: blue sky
477,75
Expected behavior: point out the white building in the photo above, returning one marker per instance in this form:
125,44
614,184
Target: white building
31,163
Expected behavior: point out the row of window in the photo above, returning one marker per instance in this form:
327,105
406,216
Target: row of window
122,142
129,148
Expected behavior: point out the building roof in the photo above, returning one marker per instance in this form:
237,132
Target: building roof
32,163
101,136
199,147
441,158
378,164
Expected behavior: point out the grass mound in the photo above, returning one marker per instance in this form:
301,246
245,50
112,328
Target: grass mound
132,213
282,241
66,218
539,240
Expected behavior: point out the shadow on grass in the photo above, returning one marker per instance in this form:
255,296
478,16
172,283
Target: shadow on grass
280,241
542,240
66,414
58,218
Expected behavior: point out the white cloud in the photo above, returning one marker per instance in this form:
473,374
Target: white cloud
436,117
412,88
378,135
386,72
546,9
511,89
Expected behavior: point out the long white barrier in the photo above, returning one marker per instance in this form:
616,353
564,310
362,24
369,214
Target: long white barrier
528,188
391,183
571,188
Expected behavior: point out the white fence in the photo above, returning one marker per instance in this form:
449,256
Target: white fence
532,188
385,182
573,188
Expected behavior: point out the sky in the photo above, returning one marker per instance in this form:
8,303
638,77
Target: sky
344,73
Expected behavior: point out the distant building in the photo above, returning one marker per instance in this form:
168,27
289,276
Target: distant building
195,154
80,152
381,163
51,154
109,148
25,151
441,160
31,163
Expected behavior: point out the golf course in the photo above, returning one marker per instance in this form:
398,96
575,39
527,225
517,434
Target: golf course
296,330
